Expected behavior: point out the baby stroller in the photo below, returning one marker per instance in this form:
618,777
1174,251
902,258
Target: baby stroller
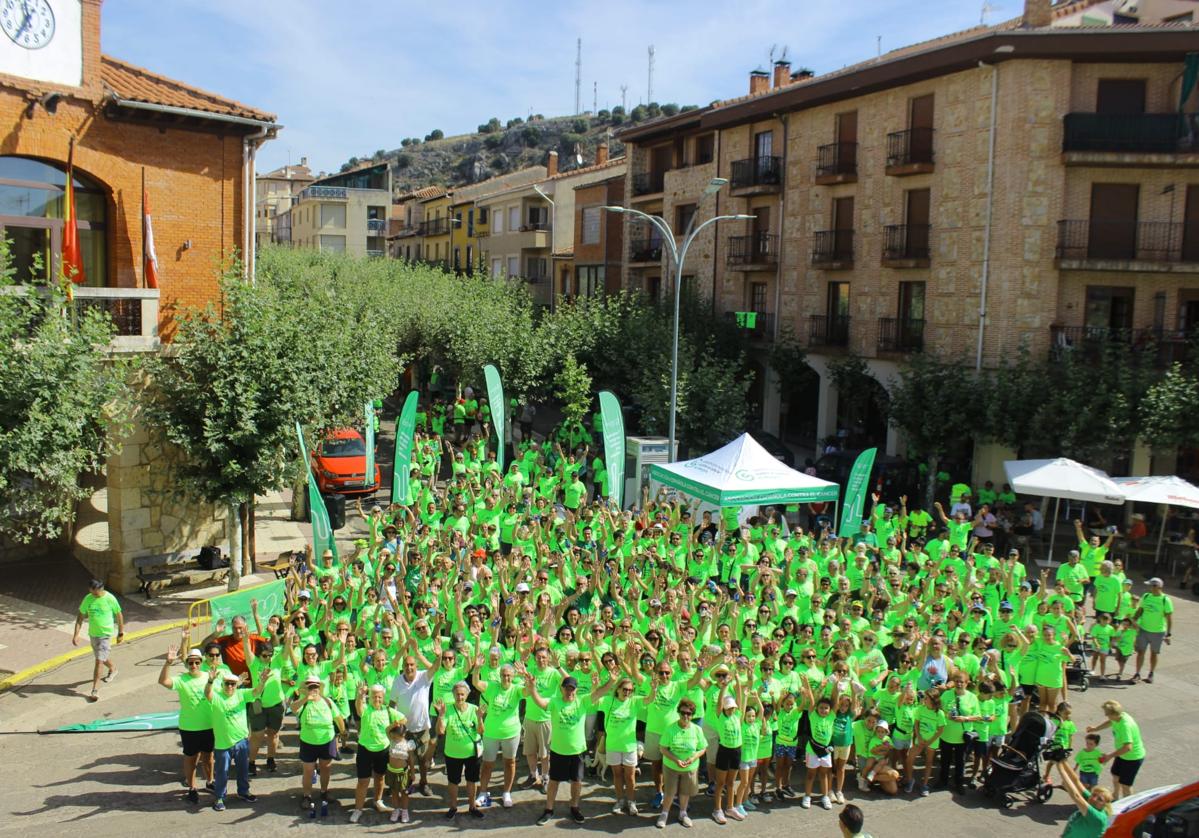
1078,671
1016,769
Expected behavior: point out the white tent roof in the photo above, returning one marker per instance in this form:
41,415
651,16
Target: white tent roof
1159,489
1062,478
743,473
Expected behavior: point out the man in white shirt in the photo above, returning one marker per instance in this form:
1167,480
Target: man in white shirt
410,695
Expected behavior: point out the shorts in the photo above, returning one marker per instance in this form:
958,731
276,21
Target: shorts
1111,614
197,742
101,646
729,759
267,718
456,766
653,747
566,768
748,765
493,747
713,739
997,740
1151,640
901,743
626,758
599,722
841,752
397,778
1088,778
979,747
812,761
787,751
370,763
420,740
679,782
318,753
537,738
1125,770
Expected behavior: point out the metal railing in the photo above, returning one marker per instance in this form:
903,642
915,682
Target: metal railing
762,328
829,246
435,227
900,334
757,171
323,192
535,227
647,183
754,249
645,250
133,311
906,241
376,253
837,159
376,226
828,331
1161,133
1121,240
1167,346
914,145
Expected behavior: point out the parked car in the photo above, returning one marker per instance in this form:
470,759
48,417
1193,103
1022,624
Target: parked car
339,462
1165,812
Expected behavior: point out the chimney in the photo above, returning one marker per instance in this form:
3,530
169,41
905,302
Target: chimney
802,73
759,82
1037,13
782,73
304,162
90,20
601,154
551,165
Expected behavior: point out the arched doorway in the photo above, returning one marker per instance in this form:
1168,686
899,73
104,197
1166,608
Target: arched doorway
32,207
862,413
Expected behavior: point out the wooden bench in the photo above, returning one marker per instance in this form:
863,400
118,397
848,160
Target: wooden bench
174,570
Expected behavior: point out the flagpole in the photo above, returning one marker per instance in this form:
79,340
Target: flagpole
144,283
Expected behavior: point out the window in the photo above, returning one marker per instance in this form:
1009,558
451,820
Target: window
763,144
590,280
838,300
705,149
757,296
470,260
513,266
482,215
683,215
591,225
539,218
536,267
333,215
470,223
31,211
457,258
497,222
336,244
497,267
1121,97
376,213
1113,223
1108,307
911,301
1179,821
513,219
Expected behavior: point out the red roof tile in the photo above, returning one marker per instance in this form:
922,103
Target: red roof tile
141,85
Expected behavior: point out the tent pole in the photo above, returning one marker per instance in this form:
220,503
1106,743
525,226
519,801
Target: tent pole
1161,534
1057,504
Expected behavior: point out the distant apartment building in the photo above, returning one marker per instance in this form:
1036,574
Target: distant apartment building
1032,184
404,240
596,258
344,213
274,193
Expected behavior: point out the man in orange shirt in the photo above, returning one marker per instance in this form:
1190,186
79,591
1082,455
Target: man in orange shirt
232,651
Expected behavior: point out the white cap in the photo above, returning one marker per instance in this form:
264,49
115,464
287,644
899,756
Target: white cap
522,587
729,701
304,595
194,653
231,678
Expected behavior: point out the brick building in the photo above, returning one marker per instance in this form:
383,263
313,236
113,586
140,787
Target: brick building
597,255
1030,184
193,153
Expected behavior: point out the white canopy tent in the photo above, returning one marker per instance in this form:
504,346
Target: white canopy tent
1167,490
743,473
1061,478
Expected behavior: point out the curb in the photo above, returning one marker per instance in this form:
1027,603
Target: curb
18,678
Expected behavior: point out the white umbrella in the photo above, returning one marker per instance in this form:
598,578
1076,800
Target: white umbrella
1061,478
1168,490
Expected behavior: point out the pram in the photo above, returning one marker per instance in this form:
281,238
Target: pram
1078,671
1016,769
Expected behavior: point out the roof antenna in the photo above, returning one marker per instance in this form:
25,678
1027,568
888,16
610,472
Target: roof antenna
879,45
986,10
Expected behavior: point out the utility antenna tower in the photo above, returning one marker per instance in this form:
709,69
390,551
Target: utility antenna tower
578,75
624,89
595,97
649,87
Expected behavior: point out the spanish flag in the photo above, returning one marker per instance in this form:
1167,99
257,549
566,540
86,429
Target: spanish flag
72,254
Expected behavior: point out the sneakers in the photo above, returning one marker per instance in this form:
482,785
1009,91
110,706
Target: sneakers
656,801
838,797
545,817
924,791
112,676
93,697
661,821
424,789
718,816
193,796
1149,678
710,791
747,806
863,784
576,814
219,806
253,769
685,819
506,800
404,816
734,814
767,797
741,811
908,786
476,812
249,798
825,803
270,764
483,801
531,782
806,802
632,810
618,808
450,813
355,815
380,806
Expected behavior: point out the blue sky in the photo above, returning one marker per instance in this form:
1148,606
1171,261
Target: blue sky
349,77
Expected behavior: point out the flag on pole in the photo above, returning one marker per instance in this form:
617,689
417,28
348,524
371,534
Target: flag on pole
318,513
495,395
613,425
369,476
150,256
855,494
72,253
401,464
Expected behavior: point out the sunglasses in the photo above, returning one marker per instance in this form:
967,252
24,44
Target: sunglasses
214,654
664,673
722,675
686,713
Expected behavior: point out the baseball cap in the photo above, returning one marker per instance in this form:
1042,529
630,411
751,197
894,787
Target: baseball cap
882,725
1027,586
729,701
1156,580
304,595
230,677
570,682
522,587
977,608
791,592
1005,606
313,680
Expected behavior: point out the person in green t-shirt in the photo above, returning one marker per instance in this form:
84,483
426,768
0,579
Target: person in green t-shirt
230,735
104,622
319,722
461,723
1130,751
568,741
1100,637
683,746
1089,761
620,735
501,727
195,715
1154,619
265,715
373,752
929,724
1094,806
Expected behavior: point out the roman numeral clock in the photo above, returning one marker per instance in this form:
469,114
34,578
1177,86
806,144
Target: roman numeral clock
43,40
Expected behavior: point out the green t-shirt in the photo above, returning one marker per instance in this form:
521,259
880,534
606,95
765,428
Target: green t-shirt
1101,636
929,722
661,712
1126,732
1088,761
728,725
372,730
1091,825
546,682
317,724
567,720
461,730
229,725
1154,608
620,724
1107,593
195,713
683,742
272,693
822,729
101,614
503,710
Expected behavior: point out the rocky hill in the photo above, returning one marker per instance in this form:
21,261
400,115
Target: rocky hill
497,148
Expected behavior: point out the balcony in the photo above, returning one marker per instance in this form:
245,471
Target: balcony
837,163
828,331
1123,139
906,245
756,252
1158,246
910,152
645,250
535,227
536,275
648,183
376,254
832,250
900,335
435,227
756,176
323,193
759,324
376,226
1166,347
134,314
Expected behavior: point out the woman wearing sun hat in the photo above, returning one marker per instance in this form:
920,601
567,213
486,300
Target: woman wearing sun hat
195,715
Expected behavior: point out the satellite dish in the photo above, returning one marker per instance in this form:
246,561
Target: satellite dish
578,160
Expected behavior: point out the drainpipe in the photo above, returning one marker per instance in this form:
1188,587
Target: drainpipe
982,300
250,145
778,271
715,236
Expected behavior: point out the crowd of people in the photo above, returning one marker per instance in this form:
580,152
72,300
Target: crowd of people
515,622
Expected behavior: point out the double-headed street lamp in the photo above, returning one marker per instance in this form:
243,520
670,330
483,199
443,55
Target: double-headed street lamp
678,255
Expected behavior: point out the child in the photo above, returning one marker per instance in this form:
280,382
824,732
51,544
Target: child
1088,762
981,746
1125,645
1100,636
755,729
399,761
878,768
1063,738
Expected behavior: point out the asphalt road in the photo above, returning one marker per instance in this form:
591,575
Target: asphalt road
128,783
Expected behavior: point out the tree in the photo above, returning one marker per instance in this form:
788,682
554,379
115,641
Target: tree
603,115
435,134
530,135
1169,410
573,389
857,390
653,109
790,364
670,109
639,114
403,161
63,404
490,126
580,125
380,154
352,162
404,143
493,141
515,121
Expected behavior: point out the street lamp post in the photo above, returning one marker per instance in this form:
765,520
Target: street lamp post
678,255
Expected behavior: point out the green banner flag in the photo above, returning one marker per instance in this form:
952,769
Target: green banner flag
613,425
855,493
168,720
401,465
271,598
322,530
495,396
369,475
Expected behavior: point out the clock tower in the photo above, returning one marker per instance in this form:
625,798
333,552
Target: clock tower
43,40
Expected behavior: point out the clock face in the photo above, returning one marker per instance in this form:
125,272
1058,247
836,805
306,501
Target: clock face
28,23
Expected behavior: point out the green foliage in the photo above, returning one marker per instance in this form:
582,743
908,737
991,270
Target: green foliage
63,403
380,154
1169,414
857,389
618,110
580,125
569,141
790,363
404,143
617,118
670,109
512,123
603,115
493,141
490,126
639,114
653,109
530,136
435,134
403,161
573,389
